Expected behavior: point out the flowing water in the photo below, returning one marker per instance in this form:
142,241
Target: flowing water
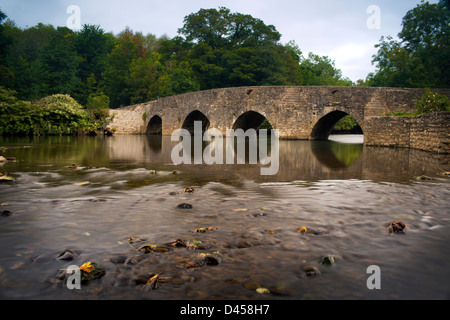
344,194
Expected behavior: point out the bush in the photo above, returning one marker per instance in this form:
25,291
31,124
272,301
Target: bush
15,115
432,102
58,114
98,111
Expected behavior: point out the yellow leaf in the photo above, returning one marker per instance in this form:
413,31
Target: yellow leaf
87,267
302,229
240,209
81,183
263,290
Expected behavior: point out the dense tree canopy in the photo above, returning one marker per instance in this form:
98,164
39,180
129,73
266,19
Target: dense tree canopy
215,48
421,58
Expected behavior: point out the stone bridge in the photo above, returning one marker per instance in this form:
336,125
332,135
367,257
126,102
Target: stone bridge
297,112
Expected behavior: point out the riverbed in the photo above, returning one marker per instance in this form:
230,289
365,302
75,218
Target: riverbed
104,198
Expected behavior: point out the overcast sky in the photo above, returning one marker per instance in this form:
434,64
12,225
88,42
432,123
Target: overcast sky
335,28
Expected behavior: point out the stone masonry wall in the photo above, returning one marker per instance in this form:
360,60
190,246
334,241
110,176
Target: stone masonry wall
296,111
430,132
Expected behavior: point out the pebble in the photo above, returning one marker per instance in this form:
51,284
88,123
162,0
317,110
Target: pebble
6,213
67,255
311,270
184,206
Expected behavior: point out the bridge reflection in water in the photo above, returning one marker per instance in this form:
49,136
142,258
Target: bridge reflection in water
298,160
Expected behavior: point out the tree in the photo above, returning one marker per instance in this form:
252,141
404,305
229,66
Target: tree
61,62
177,79
5,40
220,28
210,26
320,70
234,49
422,56
92,45
142,78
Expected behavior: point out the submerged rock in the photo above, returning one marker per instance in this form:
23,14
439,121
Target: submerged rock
6,213
91,271
311,270
184,206
67,254
328,260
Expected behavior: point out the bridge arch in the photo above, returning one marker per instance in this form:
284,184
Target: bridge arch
250,120
322,129
154,126
195,115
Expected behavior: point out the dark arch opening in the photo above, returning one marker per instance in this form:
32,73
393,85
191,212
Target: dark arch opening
325,126
154,126
196,115
251,120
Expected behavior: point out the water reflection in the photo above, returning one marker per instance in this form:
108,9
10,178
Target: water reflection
298,160
336,155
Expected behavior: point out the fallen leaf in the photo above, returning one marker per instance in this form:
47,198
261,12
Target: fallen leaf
5,178
17,265
83,183
152,283
302,229
241,209
147,248
263,290
205,229
87,267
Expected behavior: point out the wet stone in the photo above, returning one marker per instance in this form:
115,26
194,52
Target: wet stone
6,213
184,206
118,259
67,255
311,270
328,260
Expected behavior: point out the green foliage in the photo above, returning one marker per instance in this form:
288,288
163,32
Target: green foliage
317,70
432,102
57,114
215,48
221,28
16,117
422,56
97,111
346,124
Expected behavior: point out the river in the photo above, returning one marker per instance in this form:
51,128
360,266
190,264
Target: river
343,193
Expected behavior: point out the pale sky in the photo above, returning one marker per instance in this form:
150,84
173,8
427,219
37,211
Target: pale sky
334,28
